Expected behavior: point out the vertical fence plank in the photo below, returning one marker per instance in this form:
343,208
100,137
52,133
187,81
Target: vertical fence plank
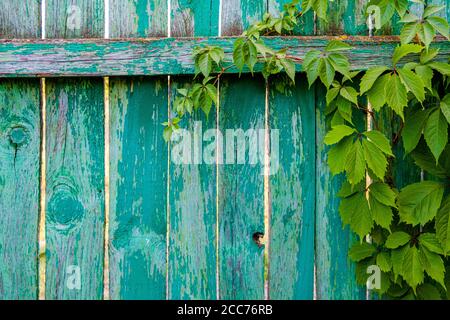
241,186
19,187
74,18
292,181
192,248
19,158
292,188
75,164
335,273
138,164
20,19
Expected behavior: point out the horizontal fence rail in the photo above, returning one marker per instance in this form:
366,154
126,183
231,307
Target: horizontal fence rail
168,56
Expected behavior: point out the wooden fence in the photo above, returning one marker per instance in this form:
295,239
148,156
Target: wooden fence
87,185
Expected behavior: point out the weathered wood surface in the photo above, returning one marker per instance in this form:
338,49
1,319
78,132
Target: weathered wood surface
192,187
75,167
20,19
292,190
62,58
20,135
138,177
138,164
19,187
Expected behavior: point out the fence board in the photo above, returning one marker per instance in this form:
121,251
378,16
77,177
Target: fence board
19,158
138,171
292,189
75,165
19,187
192,257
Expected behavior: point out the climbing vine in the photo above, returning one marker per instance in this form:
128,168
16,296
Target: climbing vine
406,232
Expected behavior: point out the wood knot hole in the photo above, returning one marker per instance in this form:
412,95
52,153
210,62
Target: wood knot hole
18,135
258,238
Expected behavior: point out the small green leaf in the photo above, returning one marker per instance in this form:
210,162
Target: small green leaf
443,225
380,140
396,95
445,107
332,94
436,133
384,261
439,24
360,251
383,193
397,239
337,133
381,214
355,163
431,9
338,154
375,158
369,78
408,32
429,241
433,265
376,95
350,94
289,67
336,45
412,131
412,269
440,67
404,50
326,72
413,83
355,211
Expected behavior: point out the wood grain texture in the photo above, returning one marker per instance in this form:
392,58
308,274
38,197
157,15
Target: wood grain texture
20,133
20,19
75,188
241,190
138,164
57,58
194,18
193,238
292,188
238,15
138,18
75,166
344,17
305,24
138,175
75,18
19,188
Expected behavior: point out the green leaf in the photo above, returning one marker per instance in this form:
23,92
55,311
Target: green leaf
443,225
338,154
397,239
428,55
377,95
289,67
426,74
336,45
426,33
380,140
408,32
427,291
238,53
355,163
337,133
355,211
396,95
332,94
383,193
167,133
404,50
439,24
440,67
445,107
205,64
375,159
397,257
413,83
350,94
436,133
326,72
433,265
429,241
369,78
412,131
412,269
431,9
419,202
360,251
381,214
384,261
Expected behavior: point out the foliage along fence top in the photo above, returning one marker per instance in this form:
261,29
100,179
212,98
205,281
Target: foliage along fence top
93,204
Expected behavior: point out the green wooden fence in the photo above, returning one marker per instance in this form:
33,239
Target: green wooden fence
87,182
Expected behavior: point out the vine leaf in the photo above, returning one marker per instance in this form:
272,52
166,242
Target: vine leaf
443,225
396,95
380,140
337,155
412,82
404,50
429,241
445,107
412,131
419,202
397,239
384,261
412,268
383,193
433,264
436,133
337,133
370,77
355,211
360,251
375,158
355,163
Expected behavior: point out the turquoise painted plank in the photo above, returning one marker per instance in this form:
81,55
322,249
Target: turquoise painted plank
138,18
20,19
238,15
20,134
19,188
138,177
75,18
194,18
75,192
344,17
241,191
138,164
193,214
292,189
56,58
74,189
335,273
